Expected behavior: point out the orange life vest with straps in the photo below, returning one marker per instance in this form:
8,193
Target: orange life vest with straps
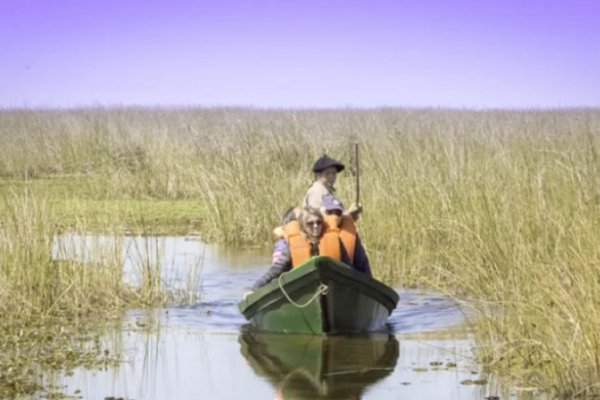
329,242
348,235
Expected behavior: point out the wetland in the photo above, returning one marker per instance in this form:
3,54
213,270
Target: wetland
127,236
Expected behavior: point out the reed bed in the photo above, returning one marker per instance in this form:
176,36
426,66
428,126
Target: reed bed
59,294
500,208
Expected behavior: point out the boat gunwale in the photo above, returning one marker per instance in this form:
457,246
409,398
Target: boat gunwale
320,268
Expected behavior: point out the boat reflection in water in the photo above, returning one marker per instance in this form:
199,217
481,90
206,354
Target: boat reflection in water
320,367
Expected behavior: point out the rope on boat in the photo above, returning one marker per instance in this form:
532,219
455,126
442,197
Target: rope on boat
322,289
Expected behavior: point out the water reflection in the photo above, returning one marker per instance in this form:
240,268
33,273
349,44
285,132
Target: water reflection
320,367
167,357
196,351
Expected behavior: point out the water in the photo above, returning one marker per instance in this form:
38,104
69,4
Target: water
206,350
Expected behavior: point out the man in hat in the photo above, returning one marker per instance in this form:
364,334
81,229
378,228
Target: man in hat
326,170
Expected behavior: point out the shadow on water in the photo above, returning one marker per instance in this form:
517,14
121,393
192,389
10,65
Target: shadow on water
319,367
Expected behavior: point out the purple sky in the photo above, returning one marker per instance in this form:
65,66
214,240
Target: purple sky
289,53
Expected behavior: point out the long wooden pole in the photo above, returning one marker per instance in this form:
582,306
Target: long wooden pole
357,173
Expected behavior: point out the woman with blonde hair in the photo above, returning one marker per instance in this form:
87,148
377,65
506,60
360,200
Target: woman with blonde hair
307,237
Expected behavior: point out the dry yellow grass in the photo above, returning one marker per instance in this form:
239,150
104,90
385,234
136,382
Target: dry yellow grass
498,207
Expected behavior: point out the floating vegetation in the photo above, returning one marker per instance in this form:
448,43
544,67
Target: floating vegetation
30,350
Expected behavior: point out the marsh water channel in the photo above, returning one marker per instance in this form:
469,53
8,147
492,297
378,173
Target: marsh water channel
206,350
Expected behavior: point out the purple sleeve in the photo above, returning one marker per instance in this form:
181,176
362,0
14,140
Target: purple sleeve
278,249
283,264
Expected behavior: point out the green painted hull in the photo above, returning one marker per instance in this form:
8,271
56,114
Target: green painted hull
315,367
352,302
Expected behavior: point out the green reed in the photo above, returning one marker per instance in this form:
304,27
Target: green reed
60,289
497,207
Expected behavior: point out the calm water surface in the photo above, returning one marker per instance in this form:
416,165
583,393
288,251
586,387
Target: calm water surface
206,350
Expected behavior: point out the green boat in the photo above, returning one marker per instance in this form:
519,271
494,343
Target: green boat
320,367
321,296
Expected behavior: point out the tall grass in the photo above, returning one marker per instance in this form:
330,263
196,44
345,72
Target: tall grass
34,282
498,207
58,293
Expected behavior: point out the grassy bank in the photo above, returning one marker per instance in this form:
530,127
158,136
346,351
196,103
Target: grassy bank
54,306
500,207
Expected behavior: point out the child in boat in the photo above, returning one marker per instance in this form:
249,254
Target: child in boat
291,214
333,207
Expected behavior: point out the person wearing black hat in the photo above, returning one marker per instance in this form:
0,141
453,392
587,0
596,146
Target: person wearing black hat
326,170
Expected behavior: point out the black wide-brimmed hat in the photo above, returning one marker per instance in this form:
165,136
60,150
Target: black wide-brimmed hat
326,162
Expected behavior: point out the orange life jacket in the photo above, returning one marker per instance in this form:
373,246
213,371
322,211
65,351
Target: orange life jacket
329,243
348,235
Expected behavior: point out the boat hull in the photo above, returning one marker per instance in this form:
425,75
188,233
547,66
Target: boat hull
321,296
